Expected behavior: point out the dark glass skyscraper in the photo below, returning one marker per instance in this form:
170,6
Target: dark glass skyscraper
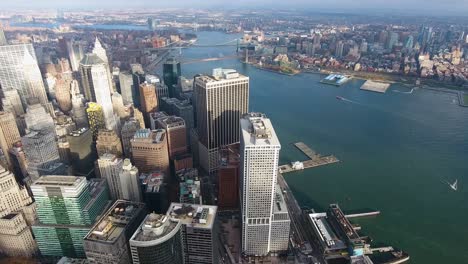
171,73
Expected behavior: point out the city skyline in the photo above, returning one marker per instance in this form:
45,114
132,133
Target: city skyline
183,135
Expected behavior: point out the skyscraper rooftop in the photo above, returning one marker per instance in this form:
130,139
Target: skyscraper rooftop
58,181
193,215
114,222
154,229
258,130
220,74
156,136
78,132
153,181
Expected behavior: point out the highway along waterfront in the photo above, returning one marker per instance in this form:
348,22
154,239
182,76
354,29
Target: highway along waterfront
396,152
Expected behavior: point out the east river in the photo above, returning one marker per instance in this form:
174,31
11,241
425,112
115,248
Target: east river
398,150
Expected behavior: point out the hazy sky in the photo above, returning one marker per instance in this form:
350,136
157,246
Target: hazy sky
407,6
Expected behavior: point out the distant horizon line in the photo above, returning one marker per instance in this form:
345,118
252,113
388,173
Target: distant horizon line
303,10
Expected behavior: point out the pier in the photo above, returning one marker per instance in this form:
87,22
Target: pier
315,160
373,213
306,150
373,86
382,249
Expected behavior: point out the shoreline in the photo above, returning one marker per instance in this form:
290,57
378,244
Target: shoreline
404,80
271,70
461,94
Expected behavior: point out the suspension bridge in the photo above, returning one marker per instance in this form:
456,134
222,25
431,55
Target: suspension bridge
180,45
183,44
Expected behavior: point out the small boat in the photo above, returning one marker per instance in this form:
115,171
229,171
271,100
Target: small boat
339,98
454,185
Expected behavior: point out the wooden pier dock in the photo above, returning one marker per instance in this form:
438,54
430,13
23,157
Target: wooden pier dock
372,213
315,159
306,150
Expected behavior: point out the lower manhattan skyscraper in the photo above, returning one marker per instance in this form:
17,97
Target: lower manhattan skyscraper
19,70
122,177
95,119
67,208
37,118
171,74
188,233
107,242
127,89
127,132
75,54
108,142
9,133
18,212
176,135
3,40
149,150
102,91
221,100
42,153
11,102
97,86
259,152
148,98
82,153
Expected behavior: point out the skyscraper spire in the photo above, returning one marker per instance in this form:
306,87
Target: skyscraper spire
27,58
100,51
3,40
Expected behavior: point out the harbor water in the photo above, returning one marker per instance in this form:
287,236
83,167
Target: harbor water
397,151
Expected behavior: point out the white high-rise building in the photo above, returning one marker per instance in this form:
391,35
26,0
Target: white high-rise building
126,87
109,168
221,99
260,149
129,178
122,177
17,214
102,54
102,91
78,106
119,107
19,70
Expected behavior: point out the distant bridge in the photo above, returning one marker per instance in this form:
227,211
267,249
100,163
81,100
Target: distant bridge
179,45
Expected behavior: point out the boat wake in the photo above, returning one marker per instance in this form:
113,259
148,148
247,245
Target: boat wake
453,186
350,101
409,92
346,100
